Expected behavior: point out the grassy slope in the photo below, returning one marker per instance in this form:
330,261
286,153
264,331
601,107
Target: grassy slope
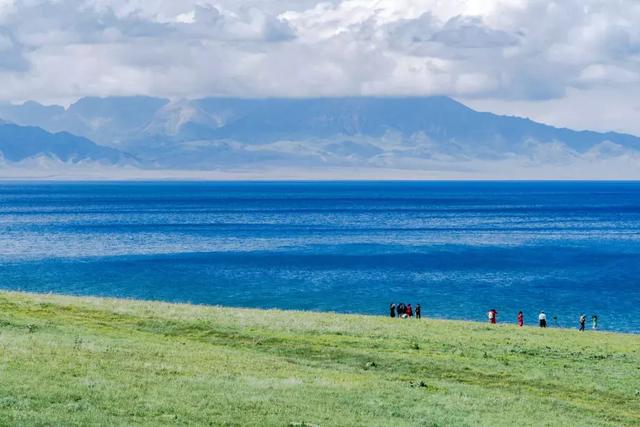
67,360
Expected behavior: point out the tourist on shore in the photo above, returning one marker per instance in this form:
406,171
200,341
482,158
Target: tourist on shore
418,312
392,310
520,319
594,322
542,319
583,320
492,314
402,311
409,311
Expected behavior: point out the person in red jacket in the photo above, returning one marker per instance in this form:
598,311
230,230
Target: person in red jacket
492,314
409,310
520,319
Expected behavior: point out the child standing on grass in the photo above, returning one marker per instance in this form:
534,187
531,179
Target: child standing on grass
418,312
594,322
520,319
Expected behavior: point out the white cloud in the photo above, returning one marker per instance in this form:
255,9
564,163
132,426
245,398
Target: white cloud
512,55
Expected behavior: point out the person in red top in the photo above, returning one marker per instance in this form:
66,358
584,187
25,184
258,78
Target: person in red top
409,310
520,319
493,314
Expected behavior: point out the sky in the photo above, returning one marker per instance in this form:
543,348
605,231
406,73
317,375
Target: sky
573,63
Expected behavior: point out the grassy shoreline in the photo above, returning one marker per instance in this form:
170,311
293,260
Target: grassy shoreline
98,361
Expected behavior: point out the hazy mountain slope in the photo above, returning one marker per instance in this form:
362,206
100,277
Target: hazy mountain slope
440,118
261,120
104,120
18,143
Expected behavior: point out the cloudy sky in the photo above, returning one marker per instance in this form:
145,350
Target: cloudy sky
572,63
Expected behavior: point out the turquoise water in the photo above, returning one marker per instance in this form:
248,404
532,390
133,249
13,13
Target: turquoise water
458,248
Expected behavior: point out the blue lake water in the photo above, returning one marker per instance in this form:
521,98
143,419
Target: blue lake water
458,248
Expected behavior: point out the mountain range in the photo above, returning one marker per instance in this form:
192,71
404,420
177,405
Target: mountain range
411,133
20,143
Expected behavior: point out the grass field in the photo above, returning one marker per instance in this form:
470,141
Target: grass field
91,361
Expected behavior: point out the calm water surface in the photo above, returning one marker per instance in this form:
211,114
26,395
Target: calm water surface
457,248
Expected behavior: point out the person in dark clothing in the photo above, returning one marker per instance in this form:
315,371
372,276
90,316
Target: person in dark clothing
392,310
583,320
400,309
418,312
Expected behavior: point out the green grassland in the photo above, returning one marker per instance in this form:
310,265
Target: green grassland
92,361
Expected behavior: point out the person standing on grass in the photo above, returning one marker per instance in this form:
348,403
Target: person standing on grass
492,314
520,319
418,312
542,318
392,310
409,311
594,322
583,320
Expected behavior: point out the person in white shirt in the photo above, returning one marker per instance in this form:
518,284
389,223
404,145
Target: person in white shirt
543,319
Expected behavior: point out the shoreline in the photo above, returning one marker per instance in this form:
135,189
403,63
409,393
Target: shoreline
190,305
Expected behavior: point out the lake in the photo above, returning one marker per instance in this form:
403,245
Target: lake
457,248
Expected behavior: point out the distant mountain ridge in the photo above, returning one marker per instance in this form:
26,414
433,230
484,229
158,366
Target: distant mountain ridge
376,132
19,143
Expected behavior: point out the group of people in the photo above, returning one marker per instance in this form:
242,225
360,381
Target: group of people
583,320
542,319
404,311
493,318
